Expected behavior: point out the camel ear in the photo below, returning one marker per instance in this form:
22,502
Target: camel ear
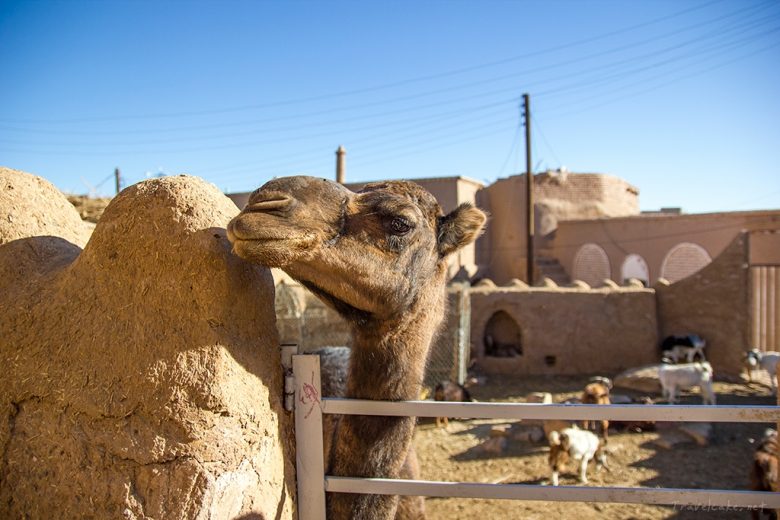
460,228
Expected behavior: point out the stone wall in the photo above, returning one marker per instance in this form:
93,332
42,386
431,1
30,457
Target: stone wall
141,375
715,304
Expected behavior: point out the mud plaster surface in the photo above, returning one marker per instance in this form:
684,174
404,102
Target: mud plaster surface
140,374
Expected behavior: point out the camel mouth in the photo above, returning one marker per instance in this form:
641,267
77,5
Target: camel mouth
268,247
243,230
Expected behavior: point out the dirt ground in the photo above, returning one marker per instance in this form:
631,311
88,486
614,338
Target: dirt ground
450,455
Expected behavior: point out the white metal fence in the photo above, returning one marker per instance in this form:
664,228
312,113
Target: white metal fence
313,483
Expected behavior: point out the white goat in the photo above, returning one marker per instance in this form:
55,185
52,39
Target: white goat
764,360
686,376
580,445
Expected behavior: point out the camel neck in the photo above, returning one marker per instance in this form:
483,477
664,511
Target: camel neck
388,360
387,363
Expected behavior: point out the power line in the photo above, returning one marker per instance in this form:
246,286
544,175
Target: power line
538,128
298,101
664,82
576,85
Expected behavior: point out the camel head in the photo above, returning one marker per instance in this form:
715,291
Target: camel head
370,254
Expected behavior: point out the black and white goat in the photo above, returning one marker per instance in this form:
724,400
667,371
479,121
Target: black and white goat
755,359
685,376
580,445
688,348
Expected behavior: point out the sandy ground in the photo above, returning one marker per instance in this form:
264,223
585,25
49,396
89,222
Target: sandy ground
451,455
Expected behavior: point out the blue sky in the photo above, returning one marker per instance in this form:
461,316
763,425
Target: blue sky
678,98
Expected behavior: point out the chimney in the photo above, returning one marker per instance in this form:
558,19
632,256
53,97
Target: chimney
341,165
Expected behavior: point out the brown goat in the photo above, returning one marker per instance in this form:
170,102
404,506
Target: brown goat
450,391
597,392
764,470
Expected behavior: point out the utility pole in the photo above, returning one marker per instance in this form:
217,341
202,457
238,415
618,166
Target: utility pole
117,180
529,193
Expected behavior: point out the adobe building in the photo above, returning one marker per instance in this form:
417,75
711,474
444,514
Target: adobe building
559,196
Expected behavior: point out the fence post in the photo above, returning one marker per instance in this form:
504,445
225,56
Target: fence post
308,438
463,348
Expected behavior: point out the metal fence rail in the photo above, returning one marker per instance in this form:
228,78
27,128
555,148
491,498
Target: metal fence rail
313,483
518,411
656,496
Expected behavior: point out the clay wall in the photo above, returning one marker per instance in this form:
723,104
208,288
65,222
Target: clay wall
565,331
141,374
501,252
653,237
715,304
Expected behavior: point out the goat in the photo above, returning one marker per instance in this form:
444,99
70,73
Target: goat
451,391
766,361
764,470
685,376
683,348
597,392
580,445
637,426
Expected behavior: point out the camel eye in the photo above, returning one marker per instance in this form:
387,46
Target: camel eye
399,226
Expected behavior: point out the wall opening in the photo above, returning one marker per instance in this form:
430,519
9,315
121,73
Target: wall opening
634,266
502,336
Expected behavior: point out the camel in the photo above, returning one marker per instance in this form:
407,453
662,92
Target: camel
378,257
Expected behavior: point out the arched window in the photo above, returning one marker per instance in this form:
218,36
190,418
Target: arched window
591,265
634,266
683,260
502,336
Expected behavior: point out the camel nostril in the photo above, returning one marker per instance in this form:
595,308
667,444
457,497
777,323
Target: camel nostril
272,203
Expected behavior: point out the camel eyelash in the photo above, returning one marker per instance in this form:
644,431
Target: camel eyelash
398,225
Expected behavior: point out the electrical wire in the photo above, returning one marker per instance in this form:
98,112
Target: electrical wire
438,92
350,93
397,137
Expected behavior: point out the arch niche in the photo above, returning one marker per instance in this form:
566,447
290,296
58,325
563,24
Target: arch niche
683,260
502,337
634,266
591,265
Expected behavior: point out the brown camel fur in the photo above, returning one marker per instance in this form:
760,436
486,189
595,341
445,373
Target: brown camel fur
378,257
